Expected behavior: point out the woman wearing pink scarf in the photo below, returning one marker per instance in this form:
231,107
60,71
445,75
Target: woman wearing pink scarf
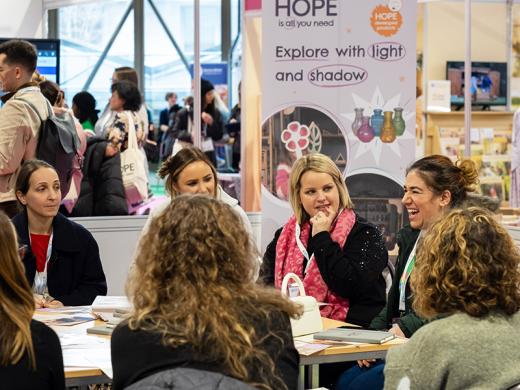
338,255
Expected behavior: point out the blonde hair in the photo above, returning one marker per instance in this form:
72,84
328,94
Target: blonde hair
467,262
193,284
16,300
320,163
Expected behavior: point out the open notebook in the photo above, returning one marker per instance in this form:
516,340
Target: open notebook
355,336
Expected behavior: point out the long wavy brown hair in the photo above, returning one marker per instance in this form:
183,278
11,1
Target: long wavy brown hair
16,300
193,283
467,262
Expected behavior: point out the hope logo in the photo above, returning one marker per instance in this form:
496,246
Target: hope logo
301,8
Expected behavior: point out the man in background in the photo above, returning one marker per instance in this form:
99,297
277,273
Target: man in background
19,123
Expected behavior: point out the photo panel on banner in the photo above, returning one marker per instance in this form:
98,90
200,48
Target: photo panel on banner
339,78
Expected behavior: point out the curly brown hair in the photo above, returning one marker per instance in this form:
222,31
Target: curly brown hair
467,262
193,283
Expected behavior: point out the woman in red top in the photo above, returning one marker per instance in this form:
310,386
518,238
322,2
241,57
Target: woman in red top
62,261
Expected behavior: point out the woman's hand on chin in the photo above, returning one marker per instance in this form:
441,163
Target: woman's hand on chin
322,221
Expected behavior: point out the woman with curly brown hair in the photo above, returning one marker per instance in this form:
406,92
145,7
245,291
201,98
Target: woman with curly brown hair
196,306
467,272
30,352
433,186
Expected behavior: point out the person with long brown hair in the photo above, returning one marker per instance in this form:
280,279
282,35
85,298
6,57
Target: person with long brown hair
196,305
30,352
467,274
190,172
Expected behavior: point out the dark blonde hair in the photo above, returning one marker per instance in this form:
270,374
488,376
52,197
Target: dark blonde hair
193,284
16,300
467,262
441,174
172,167
320,163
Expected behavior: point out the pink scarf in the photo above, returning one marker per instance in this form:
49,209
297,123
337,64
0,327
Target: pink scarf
289,258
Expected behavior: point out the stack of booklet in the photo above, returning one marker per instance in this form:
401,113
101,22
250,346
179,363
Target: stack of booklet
112,310
355,336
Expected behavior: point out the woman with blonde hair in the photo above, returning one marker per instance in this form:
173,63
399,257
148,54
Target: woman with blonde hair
196,305
30,352
467,274
338,255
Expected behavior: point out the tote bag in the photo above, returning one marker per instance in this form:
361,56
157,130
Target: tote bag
133,171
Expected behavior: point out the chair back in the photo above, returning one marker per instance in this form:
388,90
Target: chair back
183,378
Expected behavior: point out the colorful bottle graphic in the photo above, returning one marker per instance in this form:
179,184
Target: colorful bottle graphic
388,130
377,121
365,132
357,120
398,121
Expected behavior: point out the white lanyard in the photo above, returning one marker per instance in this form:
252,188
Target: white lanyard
302,248
40,278
404,278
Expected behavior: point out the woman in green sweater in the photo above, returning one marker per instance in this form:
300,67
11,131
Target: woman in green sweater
467,272
433,185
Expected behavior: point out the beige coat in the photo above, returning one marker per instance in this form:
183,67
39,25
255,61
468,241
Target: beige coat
19,129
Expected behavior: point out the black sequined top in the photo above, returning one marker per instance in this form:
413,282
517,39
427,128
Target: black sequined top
353,272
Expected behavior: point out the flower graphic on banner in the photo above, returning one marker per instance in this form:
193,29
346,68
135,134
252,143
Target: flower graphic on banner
296,137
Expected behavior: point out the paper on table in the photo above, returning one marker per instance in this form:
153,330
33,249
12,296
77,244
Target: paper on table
307,349
110,303
74,341
93,358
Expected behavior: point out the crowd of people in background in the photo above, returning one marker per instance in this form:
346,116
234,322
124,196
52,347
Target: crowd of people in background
203,310
104,131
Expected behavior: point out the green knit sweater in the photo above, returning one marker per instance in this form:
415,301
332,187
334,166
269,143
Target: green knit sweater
458,352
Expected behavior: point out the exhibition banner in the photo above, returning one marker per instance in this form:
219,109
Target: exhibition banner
339,78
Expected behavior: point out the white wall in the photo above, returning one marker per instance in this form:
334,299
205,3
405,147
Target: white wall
21,19
117,239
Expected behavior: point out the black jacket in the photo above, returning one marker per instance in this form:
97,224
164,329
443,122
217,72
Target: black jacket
409,322
74,273
215,131
137,354
49,373
353,272
102,192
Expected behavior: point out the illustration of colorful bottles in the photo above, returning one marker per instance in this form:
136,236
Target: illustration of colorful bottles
398,121
388,130
377,121
365,132
357,120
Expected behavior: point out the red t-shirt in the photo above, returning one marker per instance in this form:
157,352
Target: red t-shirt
39,245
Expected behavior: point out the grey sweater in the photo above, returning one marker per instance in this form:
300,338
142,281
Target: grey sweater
458,352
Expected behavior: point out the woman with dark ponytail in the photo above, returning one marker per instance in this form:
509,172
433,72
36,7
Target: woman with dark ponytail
434,185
